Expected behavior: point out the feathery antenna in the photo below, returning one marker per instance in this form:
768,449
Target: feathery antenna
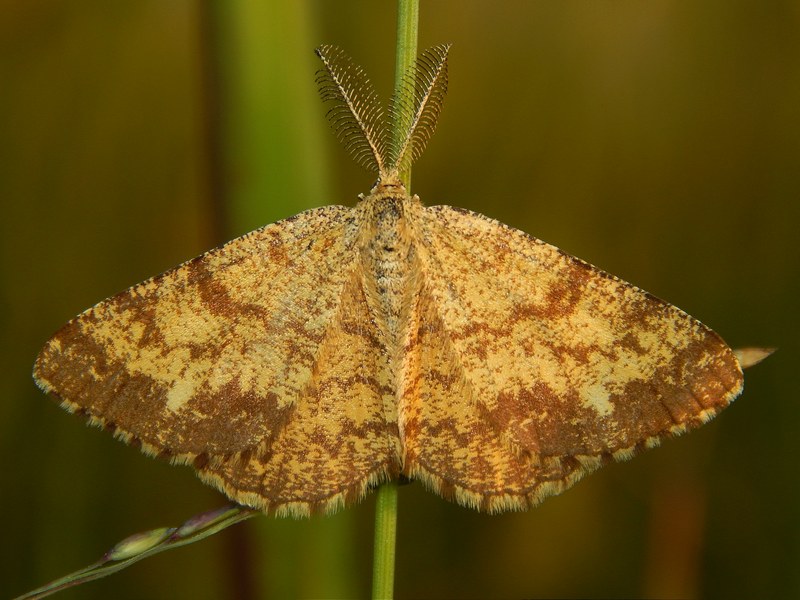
356,115
415,106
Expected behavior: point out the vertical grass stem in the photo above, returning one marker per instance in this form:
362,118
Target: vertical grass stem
386,504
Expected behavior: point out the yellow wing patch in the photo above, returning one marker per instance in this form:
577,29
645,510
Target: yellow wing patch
566,359
208,356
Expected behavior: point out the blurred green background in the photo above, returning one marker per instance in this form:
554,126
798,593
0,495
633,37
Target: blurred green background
659,140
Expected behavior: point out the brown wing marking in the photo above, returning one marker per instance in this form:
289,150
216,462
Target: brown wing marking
211,356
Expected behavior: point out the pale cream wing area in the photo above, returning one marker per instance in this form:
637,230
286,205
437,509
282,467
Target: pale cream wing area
211,356
566,360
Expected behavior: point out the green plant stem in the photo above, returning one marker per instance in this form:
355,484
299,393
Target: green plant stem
386,503
406,54
385,536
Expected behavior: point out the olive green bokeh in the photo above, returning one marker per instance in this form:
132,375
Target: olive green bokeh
658,140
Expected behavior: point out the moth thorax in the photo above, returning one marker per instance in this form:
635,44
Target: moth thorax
389,261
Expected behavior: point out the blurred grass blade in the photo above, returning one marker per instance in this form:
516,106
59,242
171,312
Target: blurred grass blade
272,138
147,543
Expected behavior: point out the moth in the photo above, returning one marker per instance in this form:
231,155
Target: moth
299,365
